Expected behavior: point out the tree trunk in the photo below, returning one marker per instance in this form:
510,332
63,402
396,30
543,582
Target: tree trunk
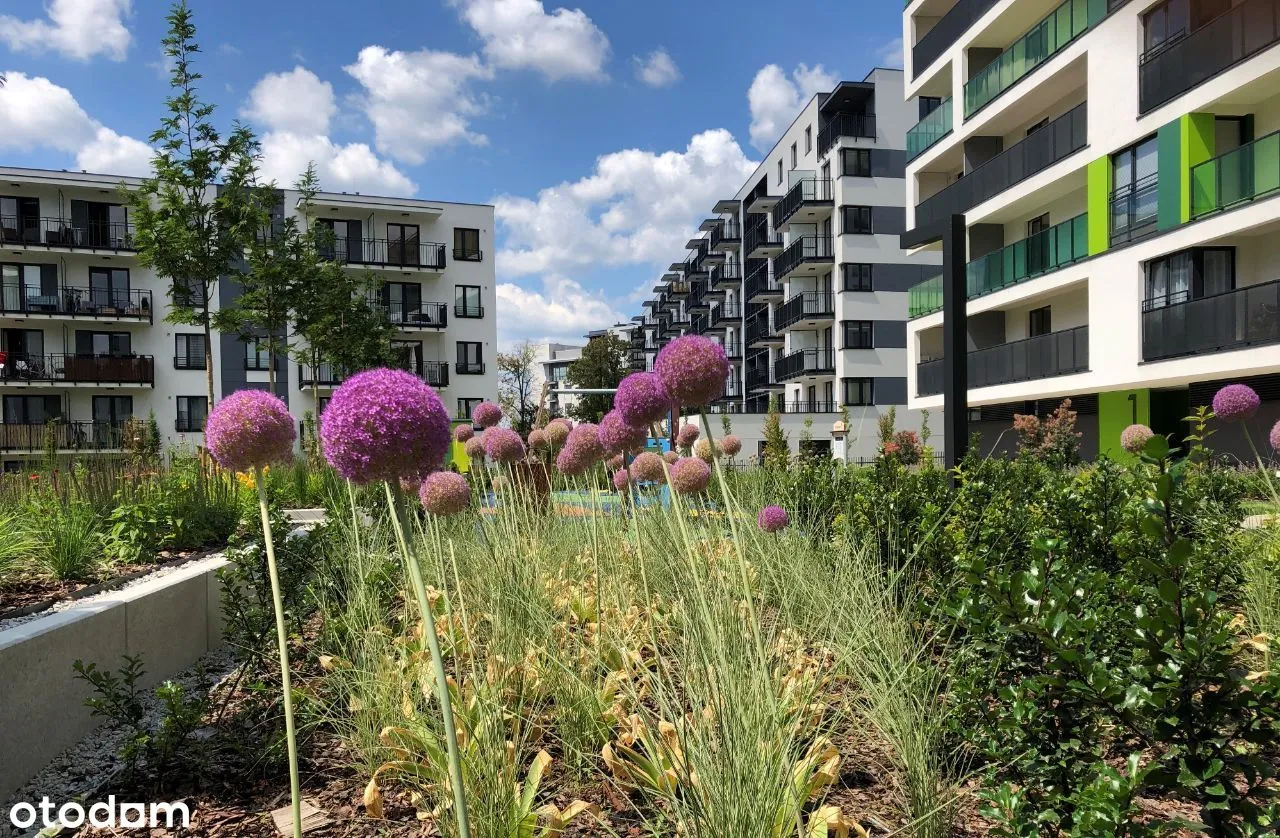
208,353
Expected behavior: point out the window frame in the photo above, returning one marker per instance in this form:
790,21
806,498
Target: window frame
111,337
862,162
461,252
464,309
795,156
185,337
865,274
865,384
178,402
860,209
253,360
466,366
466,405
863,330
808,139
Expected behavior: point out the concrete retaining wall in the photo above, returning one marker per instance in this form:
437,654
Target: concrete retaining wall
171,621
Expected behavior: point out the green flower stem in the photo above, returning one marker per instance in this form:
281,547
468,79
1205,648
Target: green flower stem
282,639
396,501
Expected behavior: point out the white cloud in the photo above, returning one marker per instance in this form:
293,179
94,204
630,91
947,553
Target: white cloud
774,98
296,101
521,35
353,167
37,113
562,311
890,54
636,207
78,29
418,100
657,69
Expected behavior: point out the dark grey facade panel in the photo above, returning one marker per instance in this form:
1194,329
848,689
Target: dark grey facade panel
901,277
888,162
890,390
891,221
889,334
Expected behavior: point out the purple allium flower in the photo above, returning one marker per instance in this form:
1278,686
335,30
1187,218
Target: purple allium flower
581,450
503,445
486,415
1235,402
462,433
772,519
250,428
538,439
693,369
730,445
619,437
558,432
690,475
687,436
621,480
670,457
474,448
1274,437
642,399
384,424
616,462
704,450
445,493
1134,437
647,466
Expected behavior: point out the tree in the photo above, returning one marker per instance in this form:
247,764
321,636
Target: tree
200,210
602,365
777,448
516,371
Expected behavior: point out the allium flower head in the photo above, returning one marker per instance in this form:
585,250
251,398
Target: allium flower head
647,466
772,519
250,428
704,450
486,415
690,475
621,480
538,439
474,448
642,399
694,370
670,457
581,450
558,432
687,436
445,493
730,445
1274,437
1235,402
384,424
616,462
503,445
619,437
1134,437
462,433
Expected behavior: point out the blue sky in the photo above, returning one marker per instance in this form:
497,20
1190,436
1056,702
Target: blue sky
602,131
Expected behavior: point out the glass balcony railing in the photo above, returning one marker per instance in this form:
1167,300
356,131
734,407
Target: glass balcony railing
1029,258
926,132
925,297
1239,176
1044,40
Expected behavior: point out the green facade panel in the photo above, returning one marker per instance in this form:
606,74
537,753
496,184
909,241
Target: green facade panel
1169,164
1099,203
1197,147
1118,410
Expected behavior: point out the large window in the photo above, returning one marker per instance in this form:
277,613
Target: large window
466,244
857,334
403,301
103,344
1134,195
192,411
466,301
257,355
28,287
1039,321
470,358
856,276
855,162
402,244
409,355
112,410
109,287
1189,275
188,351
19,219
341,240
855,220
23,346
99,224
31,410
858,392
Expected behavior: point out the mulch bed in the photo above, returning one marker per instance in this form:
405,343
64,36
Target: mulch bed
32,595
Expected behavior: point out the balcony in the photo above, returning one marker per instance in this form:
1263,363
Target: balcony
925,298
760,332
840,125
809,406
325,375
72,370
810,307
63,234
724,235
435,373
1187,61
1237,177
732,349
926,132
762,378
1037,255
1044,356
65,436
726,276
1044,40
1051,144
729,314
70,301
386,253
761,285
805,256
804,362
416,316
811,194
946,32
1236,319
761,241
1134,210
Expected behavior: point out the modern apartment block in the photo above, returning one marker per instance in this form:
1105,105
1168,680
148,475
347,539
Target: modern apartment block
86,346
800,275
1118,166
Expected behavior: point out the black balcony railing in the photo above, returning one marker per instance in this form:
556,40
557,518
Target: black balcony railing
435,373
804,362
728,272
1234,319
1184,62
1044,356
733,349
760,377
728,313
417,315
469,367
724,232
470,311
325,375
758,329
804,250
946,32
809,406
79,369
807,305
1055,142
61,232
73,301
761,235
856,125
74,436
808,191
396,253
761,283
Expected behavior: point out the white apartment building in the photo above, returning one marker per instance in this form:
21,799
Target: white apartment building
800,275
551,365
86,346
1118,166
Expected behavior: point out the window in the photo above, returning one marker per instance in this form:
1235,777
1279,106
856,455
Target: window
1039,321
25,347
808,139
855,162
825,174
779,172
188,352
31,288
466,406
857,391
192,411
795,158
408,355
857,334
103,344
188,293
19,219
31,410
341,240
98,224
403,301
466,244
257,355
466,301
1189,275
470,359
402,244
112,410
929,104
1163,24
856,276
1037,245
1133,197
855,219
109,288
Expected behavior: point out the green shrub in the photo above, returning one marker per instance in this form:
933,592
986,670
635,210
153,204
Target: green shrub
72,545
